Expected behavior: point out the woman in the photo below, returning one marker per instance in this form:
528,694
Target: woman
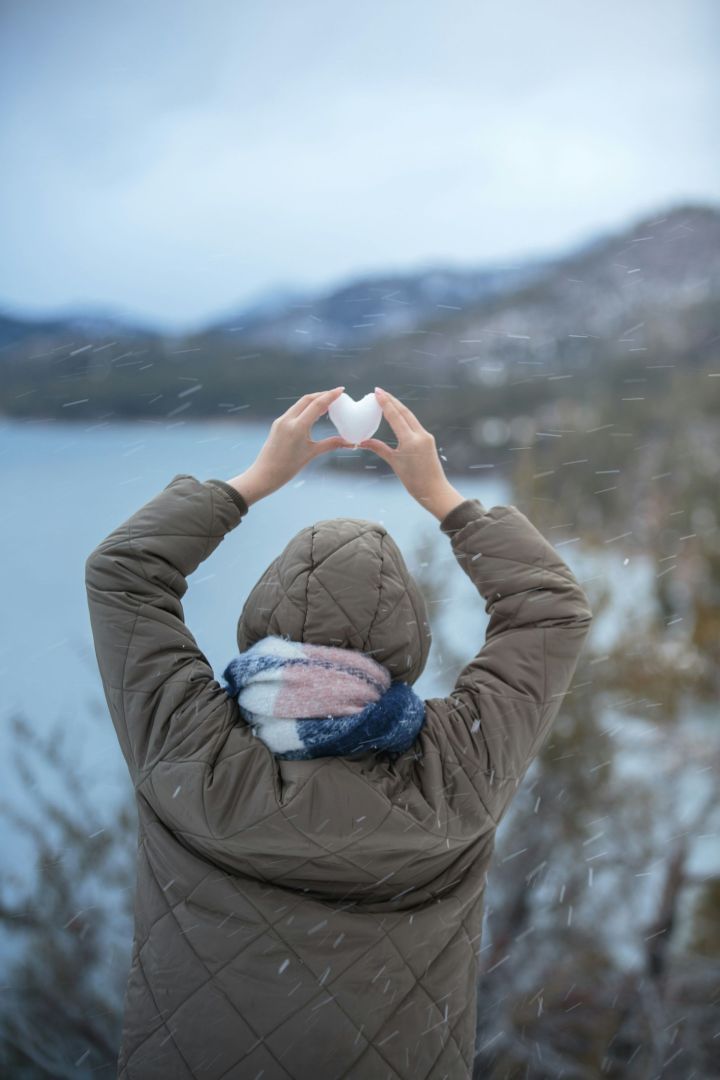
313,839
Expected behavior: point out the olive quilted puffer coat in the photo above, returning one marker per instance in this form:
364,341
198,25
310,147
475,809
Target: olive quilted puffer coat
318,919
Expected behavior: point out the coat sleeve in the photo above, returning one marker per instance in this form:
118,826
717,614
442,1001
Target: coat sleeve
171,716
505,700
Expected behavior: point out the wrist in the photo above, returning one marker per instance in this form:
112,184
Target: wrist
248,485
440,503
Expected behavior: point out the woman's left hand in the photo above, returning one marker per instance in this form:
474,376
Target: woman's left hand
289,447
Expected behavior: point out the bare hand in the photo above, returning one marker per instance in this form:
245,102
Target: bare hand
416,461
289,447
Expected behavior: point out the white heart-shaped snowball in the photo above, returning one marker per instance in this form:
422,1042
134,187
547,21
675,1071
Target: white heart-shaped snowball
356,420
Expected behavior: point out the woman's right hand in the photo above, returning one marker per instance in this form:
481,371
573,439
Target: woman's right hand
415,461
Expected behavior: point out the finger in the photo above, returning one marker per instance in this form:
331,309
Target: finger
318,406
381,448
298,406
409,416
394,417
333,442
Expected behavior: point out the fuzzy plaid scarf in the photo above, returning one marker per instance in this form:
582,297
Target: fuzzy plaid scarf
307,701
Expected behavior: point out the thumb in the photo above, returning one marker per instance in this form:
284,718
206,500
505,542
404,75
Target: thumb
333,442
381,449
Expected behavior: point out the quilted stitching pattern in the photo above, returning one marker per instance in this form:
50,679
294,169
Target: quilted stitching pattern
323,918
432,1015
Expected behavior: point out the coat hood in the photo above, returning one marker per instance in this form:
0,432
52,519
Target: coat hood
344,582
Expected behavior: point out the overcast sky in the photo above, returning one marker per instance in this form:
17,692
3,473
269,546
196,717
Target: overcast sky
174,159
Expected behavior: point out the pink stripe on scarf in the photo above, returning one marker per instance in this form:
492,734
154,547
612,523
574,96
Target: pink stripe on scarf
311,690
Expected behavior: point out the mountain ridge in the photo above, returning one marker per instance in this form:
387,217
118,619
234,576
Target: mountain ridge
299,320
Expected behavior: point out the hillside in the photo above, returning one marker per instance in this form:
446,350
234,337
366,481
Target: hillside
637,306
377,307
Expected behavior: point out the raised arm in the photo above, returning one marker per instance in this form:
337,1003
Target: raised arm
186,750
156,679
505,700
